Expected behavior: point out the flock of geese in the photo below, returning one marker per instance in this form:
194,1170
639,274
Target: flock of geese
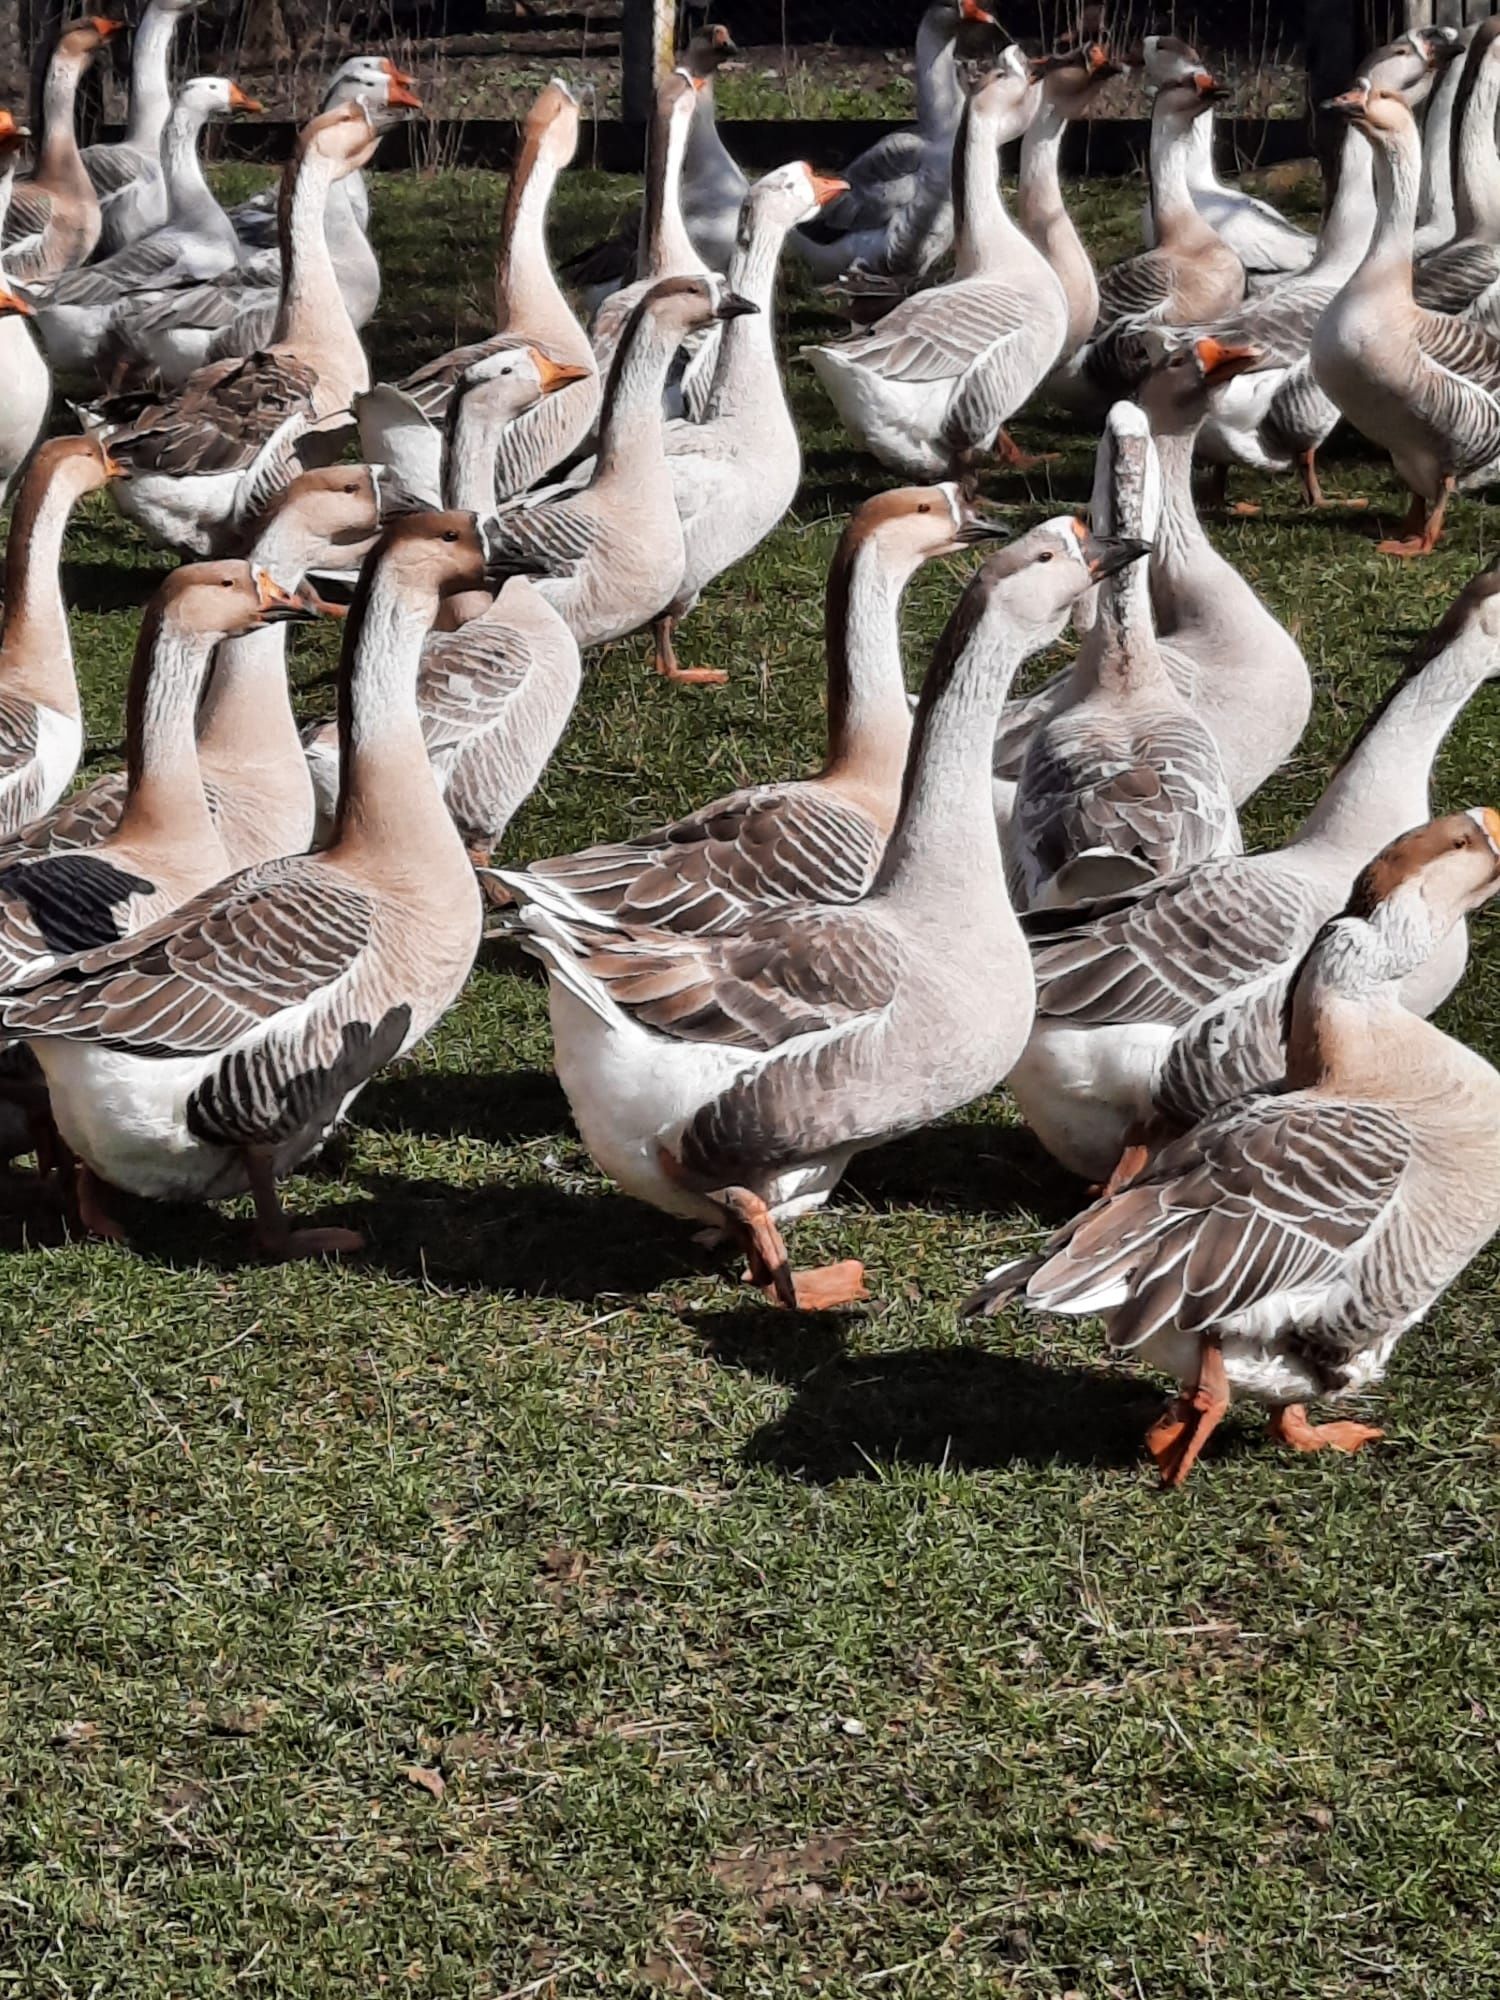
205,958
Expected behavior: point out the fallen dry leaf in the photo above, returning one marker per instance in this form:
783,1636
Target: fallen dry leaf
563,1565
74,1735
429,1780
774,1876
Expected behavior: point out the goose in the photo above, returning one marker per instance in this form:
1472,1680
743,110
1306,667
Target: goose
1278,1252
1435,196
619,539
204,462
1457,277
1190,276
1157,1006
897,217
1423,386
401,425
1236,666
127,175
28,398
168,334
1124,782
1071,80
41,724
730,1078
1258,234
255,777
215,1051
196,241
936,380
53,219
813,840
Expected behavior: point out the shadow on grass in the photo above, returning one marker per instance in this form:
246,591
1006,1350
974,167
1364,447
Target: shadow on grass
978,1169
122,586
498,1108
850,1415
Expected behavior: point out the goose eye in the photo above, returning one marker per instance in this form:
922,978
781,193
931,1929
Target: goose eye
924,508
1045,556
450,534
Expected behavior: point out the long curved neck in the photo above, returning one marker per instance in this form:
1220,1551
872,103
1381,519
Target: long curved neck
1346,1006
1384,783
188,193
1387,262
706,152
944,854
1043,215
1179,542
1198,154
1126,657
747,372
523,271
666,249
36,648
469,472
150,86
1476,164
1347,227
1172,147
245,720
312,309
940,97
387,798
631,429
1435,198
163,782
983,235
59,162
869,721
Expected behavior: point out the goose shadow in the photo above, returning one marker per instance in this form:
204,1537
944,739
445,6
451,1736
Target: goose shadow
497,1109
964,1407
974,1169
102,586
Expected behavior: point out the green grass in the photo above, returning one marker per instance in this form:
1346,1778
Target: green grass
756,1655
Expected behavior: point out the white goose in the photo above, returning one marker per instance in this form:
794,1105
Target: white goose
1279,1251
1156,1007
731,1078
936,380
127,176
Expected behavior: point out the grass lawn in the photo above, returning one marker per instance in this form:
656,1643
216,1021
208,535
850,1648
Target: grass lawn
524,1609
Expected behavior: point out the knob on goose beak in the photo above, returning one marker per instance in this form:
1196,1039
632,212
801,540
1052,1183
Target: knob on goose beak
732,306
1221,361
1489,825
277,606
239,101
1104,554
554,375
103,27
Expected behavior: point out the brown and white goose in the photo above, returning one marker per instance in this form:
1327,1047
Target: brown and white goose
1463,276
41,724
215,1051
407,425
815,839
1124,782
1279,1251
205,462
23,367
1156,1007
615,547
53,219
731,1078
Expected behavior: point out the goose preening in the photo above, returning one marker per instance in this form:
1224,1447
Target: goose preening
1278,1251
211,1053
205,462
53,221
731,1077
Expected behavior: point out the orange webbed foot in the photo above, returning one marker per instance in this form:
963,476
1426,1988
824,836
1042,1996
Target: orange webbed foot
841,1284
1292,1427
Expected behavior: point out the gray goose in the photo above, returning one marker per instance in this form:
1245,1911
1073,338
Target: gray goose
1278,1252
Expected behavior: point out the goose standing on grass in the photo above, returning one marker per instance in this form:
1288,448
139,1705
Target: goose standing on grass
53,219
935,382
216,1051
27,378
731,1078
1259,235
1156,1007
41,723
1280,1250
1191,276
1463,276
1423,386
197,240
205,462
127,175
615,548
403,425
897,217
812,840
1124,782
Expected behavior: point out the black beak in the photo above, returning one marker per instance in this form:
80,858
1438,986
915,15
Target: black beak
504,559
290,614
1105,554
732,306
979,528
394,497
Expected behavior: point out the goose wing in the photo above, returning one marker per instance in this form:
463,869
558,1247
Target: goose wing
1264,1209
221,419
55,904
1451,279
940,335
1139,286
466,679
114,168
1459,390
560,535
142,268
28,215
83,819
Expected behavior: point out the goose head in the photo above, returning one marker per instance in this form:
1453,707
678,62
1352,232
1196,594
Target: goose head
1412,64
82,40
551,129
916,524
223,600
347,137
76,464
374,81
1007,96
329,516
708,49
13,136
1072,78
677,99
1033,583
1184,375
515,376
686,305
788,195
1418,887
204,97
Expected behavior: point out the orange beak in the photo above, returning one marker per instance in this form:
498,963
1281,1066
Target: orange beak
700,83
398,75
271,597
971,10
113,469
401,96
1206,85
1221,362
1097,58
555,375
12,302
1491,820
240,101
826,187
103,27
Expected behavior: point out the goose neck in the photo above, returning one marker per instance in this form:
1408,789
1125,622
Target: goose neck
312,312
388,802
245,720
1039,196
1435,197
984,236
1179,535
747,370
1387,262
1346,1016
469,475
36,652
940,96
1346,231
188,193
1476,163
163,781
1122,643
631,429
869,720
1174,139
523,273
666,249
150,85
59,161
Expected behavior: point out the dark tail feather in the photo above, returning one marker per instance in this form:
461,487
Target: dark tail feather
1000,1287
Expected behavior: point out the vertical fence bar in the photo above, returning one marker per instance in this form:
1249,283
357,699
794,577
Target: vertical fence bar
646,29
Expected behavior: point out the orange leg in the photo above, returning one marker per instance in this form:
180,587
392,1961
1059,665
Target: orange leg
667,663
1176,1439
273,1233
1290,1426
1312,487
1422,528
1010,453
770,1270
